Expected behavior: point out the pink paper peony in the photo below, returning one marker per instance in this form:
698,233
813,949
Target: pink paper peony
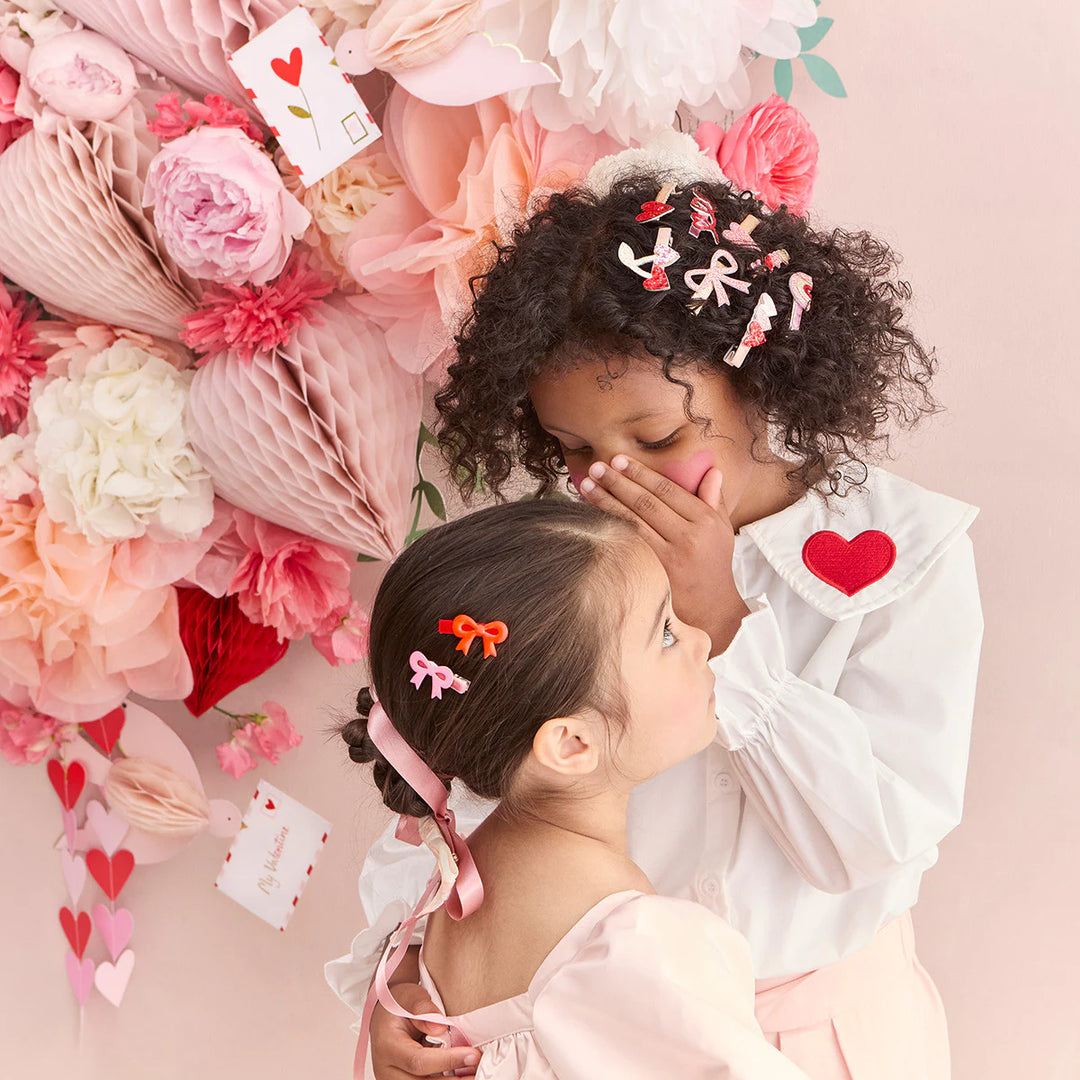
20,357
82,75
288,581
344,637
11,124
234,759
27,736
174,119
221,208
770,151
76,637
248,318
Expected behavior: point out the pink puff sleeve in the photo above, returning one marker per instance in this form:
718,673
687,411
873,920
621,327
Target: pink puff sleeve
661,987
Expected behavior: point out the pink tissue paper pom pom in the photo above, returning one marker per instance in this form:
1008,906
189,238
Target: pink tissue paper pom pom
234,759
246,319
769,150
344,637
27,736
20,357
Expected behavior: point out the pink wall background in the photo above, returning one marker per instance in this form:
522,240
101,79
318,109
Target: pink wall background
957,144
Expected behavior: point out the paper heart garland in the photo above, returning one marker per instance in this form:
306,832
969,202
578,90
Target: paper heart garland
67,781
77,929
80,974
849,565
109,827
318,436
112,979
73,867
225,647
115,928
105,730
70,828
110,872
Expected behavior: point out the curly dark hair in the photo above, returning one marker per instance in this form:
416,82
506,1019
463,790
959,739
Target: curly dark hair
557,293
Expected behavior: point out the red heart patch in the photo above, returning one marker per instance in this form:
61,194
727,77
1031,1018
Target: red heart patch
110,873
67,781
77,930
652,210
225,647
849,565
754,335
106,730
289,70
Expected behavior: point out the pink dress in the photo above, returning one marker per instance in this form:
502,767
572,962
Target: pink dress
641,987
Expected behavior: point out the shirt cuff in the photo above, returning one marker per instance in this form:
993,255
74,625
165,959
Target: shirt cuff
750,675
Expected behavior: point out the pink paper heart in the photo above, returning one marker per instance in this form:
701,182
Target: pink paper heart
80,974
112,979
70,825
114,927
108,826
73,867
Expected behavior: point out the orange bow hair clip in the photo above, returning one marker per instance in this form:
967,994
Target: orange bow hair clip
468,629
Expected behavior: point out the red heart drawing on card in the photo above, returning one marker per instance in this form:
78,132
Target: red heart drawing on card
652,210
110,872
76,929
67,781
270,804
225,647
106,730
849,565
289,70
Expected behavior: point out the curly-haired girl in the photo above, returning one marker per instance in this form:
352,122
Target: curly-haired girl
721,376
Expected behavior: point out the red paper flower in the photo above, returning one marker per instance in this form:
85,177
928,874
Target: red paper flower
769,150
255,318
174,119
20,357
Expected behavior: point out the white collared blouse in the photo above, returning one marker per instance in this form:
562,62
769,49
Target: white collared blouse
844,718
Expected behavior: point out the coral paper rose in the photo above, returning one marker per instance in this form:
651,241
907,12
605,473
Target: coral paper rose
770,151
221,208
82,75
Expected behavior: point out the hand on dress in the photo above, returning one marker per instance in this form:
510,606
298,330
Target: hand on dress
397,1049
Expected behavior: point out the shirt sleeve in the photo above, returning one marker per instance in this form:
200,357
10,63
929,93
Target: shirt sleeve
661,988
854,783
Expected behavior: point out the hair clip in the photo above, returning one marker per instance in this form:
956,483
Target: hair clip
708,280
739,232
702,217
760,322
663,254
657,208
772,261
442,678
802,287
493,633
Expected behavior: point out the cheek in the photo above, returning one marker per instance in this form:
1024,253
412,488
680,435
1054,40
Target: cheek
576,477
688,474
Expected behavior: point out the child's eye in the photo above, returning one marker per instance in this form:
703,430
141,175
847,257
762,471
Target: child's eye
669,635
663,443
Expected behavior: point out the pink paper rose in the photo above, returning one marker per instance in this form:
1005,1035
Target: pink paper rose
11,124
82,75
770,151
26,736
344,637
221,208
288,581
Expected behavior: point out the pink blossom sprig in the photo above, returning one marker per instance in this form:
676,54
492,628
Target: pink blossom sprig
27,736
174,119
246,319
267,734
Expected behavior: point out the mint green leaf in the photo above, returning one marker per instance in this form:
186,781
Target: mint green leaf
297,111
783,78
415,535
824,74
434,499
426,436
361,557
810,36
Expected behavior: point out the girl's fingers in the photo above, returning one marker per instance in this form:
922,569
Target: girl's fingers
711,492
429,1061
682,502
600,497
644,505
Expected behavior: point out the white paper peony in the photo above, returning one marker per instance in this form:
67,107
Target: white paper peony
113,458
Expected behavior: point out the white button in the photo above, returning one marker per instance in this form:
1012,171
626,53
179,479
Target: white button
709,886
724,781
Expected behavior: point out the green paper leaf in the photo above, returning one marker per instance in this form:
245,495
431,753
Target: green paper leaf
783,78
297,111
361,557
426,436
415,535
434,499
811,36
824,74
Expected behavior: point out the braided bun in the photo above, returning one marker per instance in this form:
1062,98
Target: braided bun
396,792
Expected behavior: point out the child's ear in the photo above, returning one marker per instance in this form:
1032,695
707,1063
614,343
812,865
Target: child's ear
568,745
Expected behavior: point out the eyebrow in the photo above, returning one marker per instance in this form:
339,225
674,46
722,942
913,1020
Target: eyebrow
659,615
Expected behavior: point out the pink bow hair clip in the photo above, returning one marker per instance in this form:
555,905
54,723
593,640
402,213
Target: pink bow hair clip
710,280
442,678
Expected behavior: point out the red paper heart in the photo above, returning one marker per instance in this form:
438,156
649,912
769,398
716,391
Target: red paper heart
270,804
67,782
849,565
77,930
225,647
106,730
110,873
289,70
652,209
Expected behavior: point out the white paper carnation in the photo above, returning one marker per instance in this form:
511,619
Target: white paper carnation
17,467
114,461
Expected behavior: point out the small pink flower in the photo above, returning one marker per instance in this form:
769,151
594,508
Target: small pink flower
344,637
11,125
27,736
255,318
274,732
174,119
20,357
234,759
769,150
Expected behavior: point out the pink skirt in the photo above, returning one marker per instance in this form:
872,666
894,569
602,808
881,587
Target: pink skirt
875,1015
